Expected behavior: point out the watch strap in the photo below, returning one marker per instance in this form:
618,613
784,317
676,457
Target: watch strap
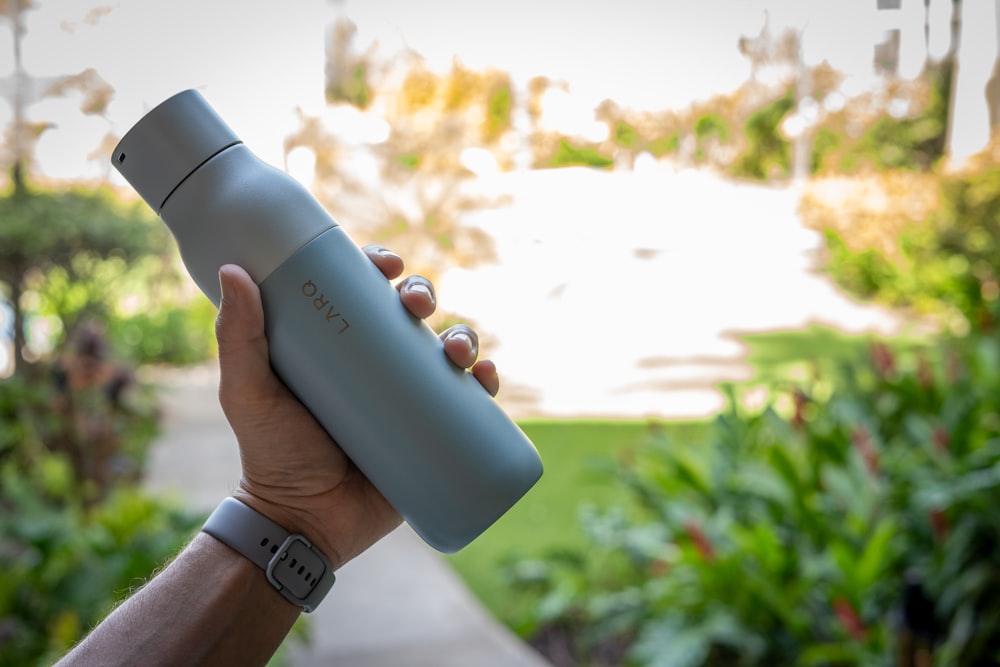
297,569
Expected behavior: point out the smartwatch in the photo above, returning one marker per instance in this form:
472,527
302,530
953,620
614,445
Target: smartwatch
291,563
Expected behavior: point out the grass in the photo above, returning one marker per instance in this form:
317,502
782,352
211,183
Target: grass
580,458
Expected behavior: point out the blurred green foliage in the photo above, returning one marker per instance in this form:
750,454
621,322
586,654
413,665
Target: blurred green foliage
576,455
75,231
174,334
846,521
64,567
499,108
946,266
100,425
768,155
98,277
571,155
353,89
903,126
913,141
626,135
70,551
70,244
82,254
53,225
629,137
709,127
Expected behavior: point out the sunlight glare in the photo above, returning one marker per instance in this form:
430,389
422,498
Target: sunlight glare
300,163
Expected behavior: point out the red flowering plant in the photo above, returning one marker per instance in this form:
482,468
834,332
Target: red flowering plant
858,532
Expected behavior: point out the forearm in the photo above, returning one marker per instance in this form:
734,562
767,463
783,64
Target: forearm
209,606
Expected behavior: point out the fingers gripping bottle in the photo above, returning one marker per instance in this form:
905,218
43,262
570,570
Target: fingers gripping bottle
424,431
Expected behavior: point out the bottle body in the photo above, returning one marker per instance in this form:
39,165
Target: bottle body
429,437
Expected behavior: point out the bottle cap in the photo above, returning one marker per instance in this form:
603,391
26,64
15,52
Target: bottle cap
169,143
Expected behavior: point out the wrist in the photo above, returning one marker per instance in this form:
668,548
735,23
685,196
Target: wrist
295,520
289,561
243,574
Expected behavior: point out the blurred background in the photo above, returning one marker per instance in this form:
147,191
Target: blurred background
736,261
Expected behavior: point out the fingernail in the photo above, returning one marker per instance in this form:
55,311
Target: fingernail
421,288
385,252
467,339
464,337
228,298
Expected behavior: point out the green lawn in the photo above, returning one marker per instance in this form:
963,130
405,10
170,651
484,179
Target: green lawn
578,457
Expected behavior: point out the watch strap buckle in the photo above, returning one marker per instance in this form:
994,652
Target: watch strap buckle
300,572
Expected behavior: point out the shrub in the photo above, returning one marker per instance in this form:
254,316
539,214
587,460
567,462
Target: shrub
848,520
81,237
919,241
75,532
916,141
176,334
63,567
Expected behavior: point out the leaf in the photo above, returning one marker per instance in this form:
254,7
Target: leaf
762,481
678,642
877,556
823,655
786,468
668,643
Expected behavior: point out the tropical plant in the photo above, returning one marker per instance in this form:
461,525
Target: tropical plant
64,567
845,522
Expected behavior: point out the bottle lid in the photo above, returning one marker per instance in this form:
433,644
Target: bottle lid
169,143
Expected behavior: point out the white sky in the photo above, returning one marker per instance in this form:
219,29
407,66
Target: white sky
257,60
644,53
647,54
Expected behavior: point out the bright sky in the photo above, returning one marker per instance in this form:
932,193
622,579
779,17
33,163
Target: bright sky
647,54
644,54
257,60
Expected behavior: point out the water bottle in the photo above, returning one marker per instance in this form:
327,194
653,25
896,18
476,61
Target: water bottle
427,435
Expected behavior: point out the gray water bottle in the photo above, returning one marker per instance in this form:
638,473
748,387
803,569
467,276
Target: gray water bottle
424,431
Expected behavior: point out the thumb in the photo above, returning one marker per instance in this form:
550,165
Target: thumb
239,328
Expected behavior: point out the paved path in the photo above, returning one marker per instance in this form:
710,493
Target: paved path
397,604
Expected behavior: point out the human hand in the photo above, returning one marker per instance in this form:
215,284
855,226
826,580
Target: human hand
293,471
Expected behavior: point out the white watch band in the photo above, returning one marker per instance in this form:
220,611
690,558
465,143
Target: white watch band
292,564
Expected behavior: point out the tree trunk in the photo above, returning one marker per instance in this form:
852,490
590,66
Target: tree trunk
20,364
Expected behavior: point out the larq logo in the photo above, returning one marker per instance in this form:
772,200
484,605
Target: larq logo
322,306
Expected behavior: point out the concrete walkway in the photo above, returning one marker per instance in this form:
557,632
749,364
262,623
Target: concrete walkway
397,604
